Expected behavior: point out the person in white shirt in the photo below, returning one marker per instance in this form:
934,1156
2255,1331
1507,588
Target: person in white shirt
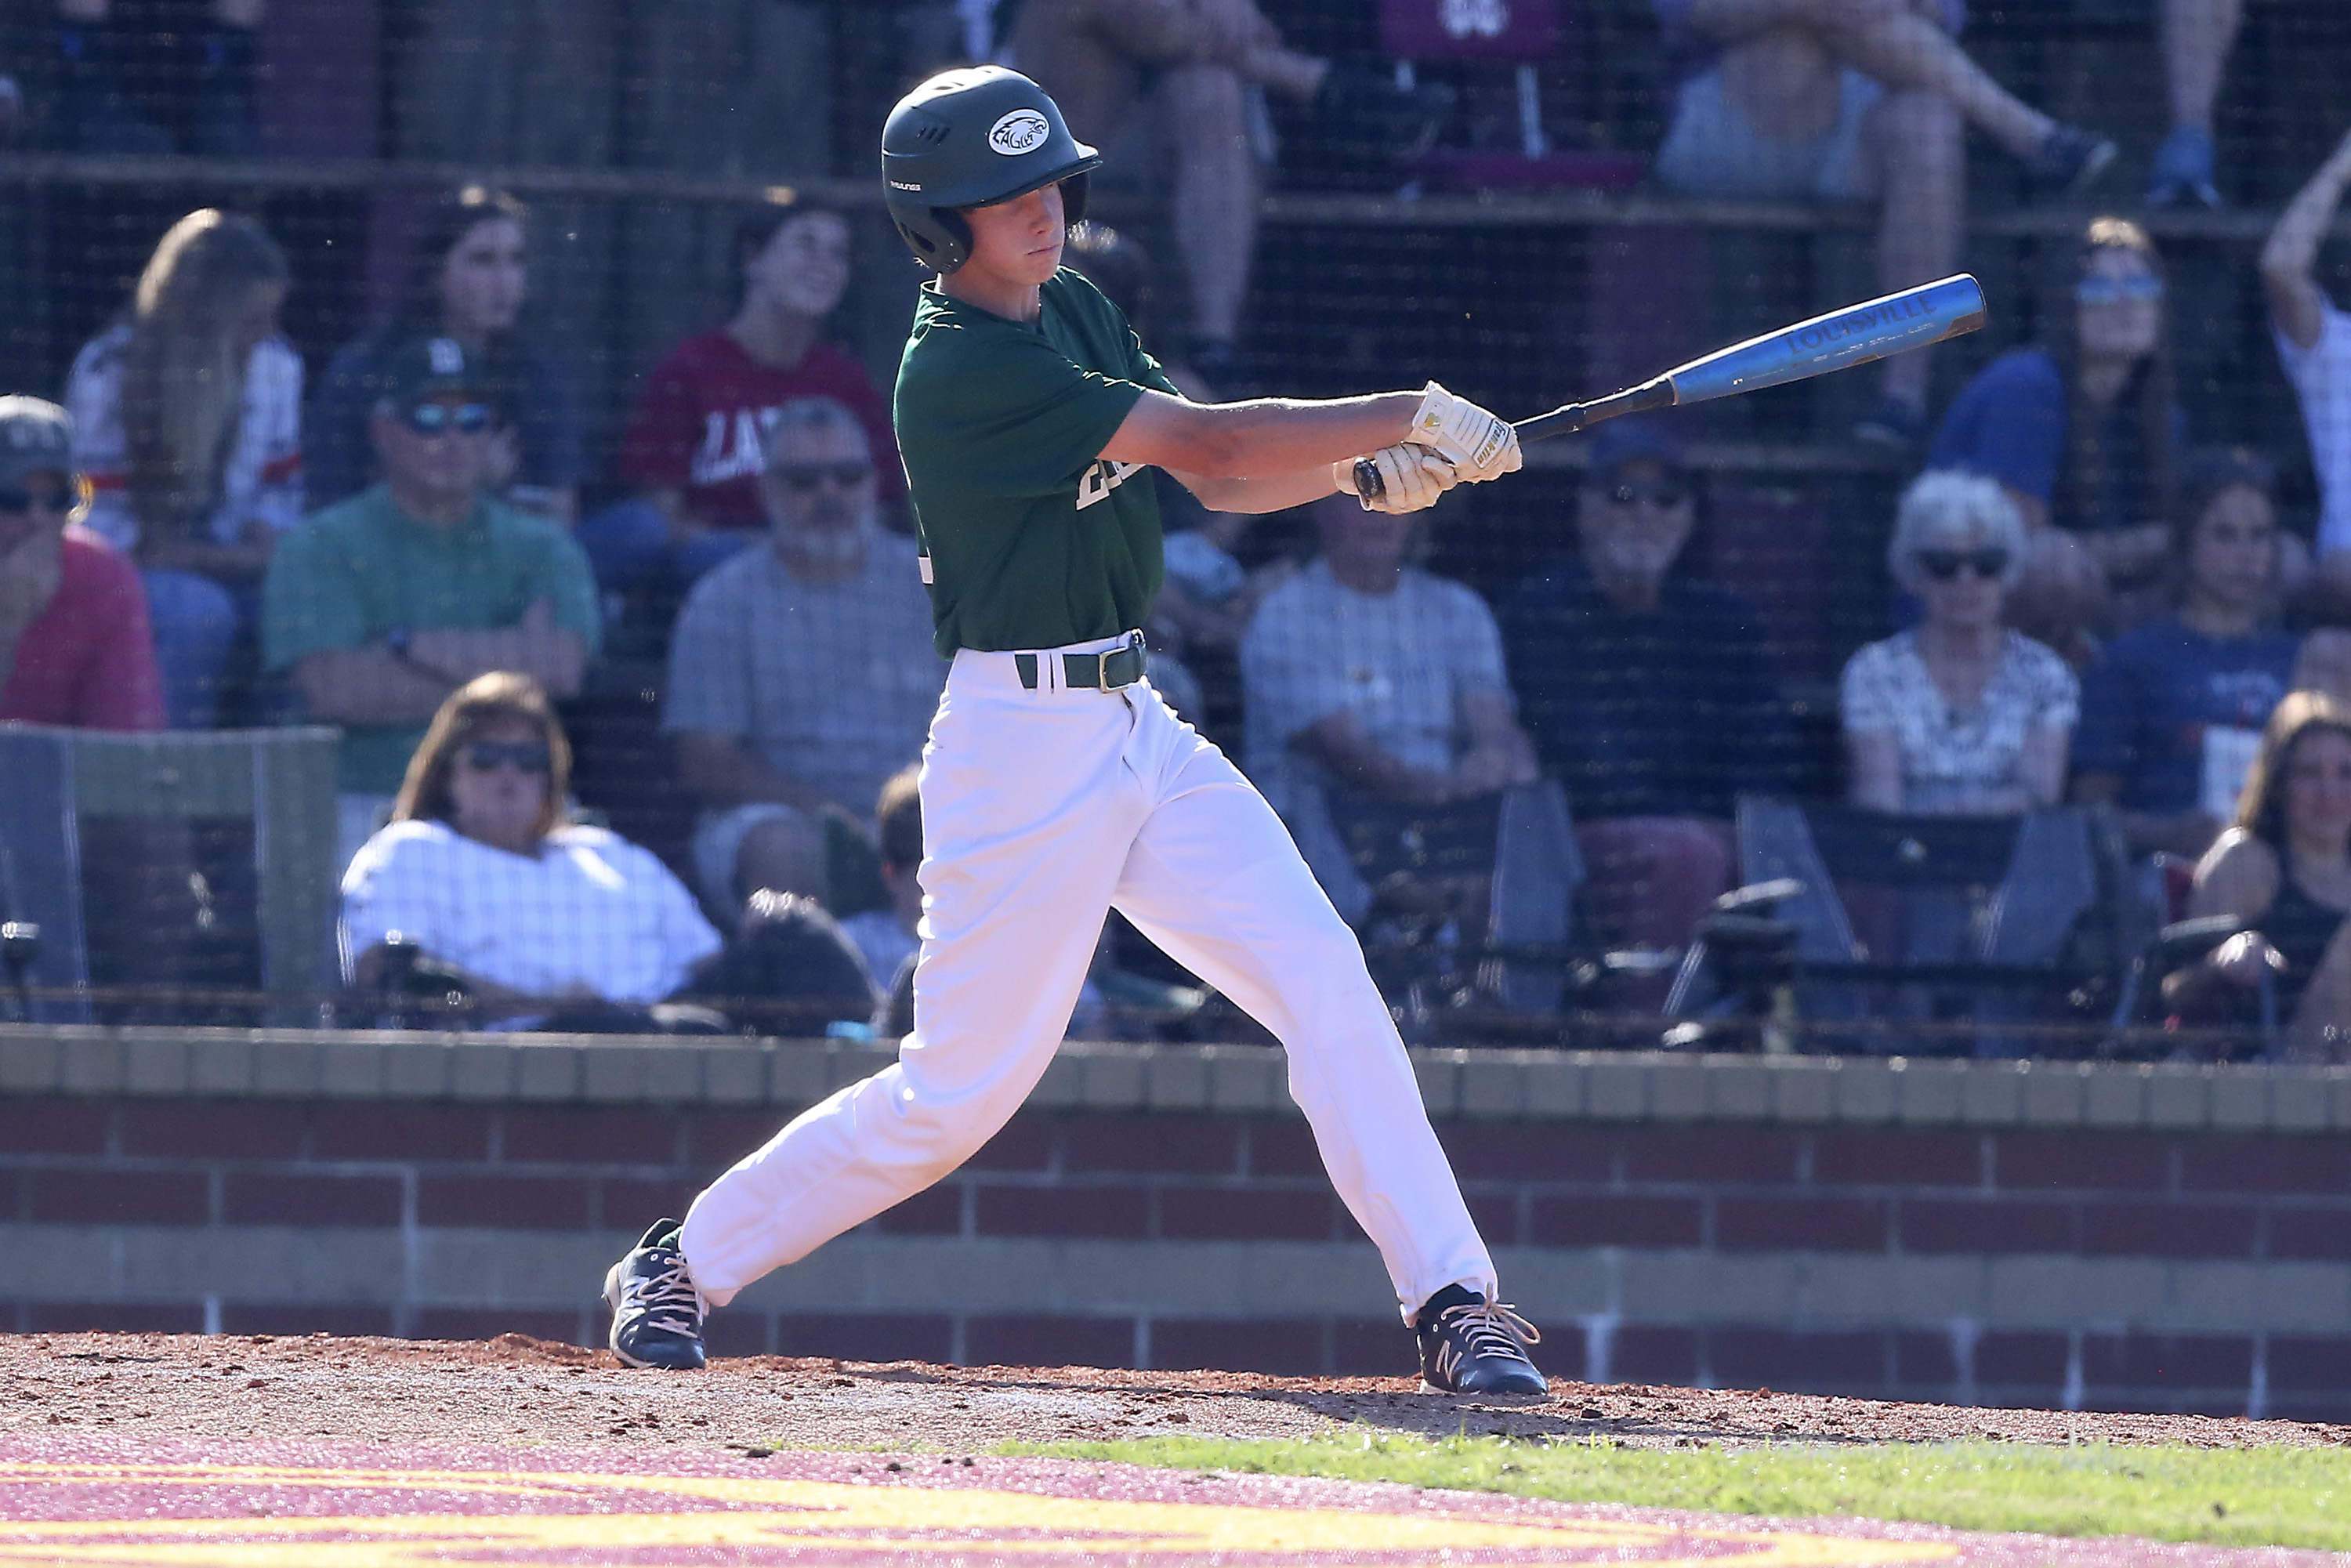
478,870
2314,343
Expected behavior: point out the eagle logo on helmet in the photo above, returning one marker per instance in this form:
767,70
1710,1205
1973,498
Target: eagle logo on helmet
1019,132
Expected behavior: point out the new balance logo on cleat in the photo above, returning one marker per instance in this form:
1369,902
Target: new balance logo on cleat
657,1313
1470,1345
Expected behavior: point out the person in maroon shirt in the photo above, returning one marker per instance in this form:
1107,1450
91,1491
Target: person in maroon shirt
692,451
75,646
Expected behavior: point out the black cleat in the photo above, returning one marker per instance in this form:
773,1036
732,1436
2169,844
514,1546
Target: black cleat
1468,1345
657,1313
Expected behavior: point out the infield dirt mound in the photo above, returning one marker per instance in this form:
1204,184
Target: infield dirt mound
536,1391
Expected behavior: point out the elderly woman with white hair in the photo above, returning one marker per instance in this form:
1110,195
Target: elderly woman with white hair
1959,716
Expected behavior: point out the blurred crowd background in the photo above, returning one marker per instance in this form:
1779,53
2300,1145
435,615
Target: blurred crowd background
454,564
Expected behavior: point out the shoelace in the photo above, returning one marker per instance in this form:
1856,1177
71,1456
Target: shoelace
667,1300
1482,1328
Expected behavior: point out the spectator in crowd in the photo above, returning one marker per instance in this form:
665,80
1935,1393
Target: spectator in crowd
74,649
1959,716
2081,433
2172,710
1651,695
888,938
381,605
479,868
696,443
2196,36
1362,673
2313,344
188,419
1845,99
801,675
2285,870
1183,83
156,76
468,278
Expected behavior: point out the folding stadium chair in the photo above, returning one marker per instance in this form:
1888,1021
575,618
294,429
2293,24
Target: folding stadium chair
179,859
2139,1006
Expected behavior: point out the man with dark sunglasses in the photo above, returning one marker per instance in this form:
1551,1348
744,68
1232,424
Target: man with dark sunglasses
75,646
1651,696
384,604
802,676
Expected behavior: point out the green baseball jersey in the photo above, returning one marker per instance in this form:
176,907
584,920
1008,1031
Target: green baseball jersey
1031,539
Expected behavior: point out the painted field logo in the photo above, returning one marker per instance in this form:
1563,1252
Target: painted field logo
1022,131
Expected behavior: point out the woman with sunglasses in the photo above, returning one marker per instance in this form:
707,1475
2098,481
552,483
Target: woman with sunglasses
479,868
75,648
1958,716
2082,431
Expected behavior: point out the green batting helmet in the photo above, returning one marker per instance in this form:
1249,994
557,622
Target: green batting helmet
973,137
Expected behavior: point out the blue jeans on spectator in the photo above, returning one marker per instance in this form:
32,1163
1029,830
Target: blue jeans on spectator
628,542
196,621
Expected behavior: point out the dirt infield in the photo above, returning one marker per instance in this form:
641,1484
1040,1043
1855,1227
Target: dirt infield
517,1390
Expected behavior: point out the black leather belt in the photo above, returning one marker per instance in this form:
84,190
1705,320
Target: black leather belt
1106,671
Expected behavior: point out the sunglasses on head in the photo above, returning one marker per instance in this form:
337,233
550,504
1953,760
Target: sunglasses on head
2114,290
13,500
1662,495
1944,565
434,418
806,476
527,756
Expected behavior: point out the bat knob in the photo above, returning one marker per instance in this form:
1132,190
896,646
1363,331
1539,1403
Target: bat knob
1369,486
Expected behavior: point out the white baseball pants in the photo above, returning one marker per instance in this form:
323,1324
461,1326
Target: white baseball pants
1041,810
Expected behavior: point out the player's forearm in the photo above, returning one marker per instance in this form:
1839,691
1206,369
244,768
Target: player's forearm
1274,493
1265,438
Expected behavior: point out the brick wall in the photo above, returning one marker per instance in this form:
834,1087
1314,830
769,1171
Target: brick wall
2190,1268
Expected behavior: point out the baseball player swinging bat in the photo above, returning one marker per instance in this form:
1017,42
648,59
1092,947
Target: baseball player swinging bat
1909,318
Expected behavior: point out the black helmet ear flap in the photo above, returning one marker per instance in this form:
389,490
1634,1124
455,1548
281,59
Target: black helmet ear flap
1074,198
939,237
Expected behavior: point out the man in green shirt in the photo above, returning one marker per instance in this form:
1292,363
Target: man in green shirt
1057,785
383,605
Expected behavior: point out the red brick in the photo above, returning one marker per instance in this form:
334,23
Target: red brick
2006,1359
2112,1363
199,1129
2167,1231
1963,1225
1922,1158
1098,1211
716,1139
488,1323
1615,1219
119,1197
1372,1347
631,1204
2322,1233
1648,1353
1172,1145
2105,1162
1779,1358
1283,1146
11,1195
1510,1151
1024,1144
114,1317
1245,1214
2310,1365
52,1127
396,1132
1711,1154
1801,1224
295,1320
1032,1341
865,1336
502,1202
934,1212
1284,1347
586,1135
1496,1215
2320,1167
283,1197
1923,1360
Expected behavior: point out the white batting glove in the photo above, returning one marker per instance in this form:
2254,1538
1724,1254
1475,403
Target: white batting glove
1478,445
1411,478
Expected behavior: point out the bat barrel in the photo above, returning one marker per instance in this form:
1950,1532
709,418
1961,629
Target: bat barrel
1896,323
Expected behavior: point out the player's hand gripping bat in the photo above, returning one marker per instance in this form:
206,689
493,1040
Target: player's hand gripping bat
1855,335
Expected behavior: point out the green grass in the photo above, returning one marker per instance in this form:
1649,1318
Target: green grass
2227,1497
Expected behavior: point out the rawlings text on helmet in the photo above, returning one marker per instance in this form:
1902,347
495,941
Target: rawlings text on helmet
1018,132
